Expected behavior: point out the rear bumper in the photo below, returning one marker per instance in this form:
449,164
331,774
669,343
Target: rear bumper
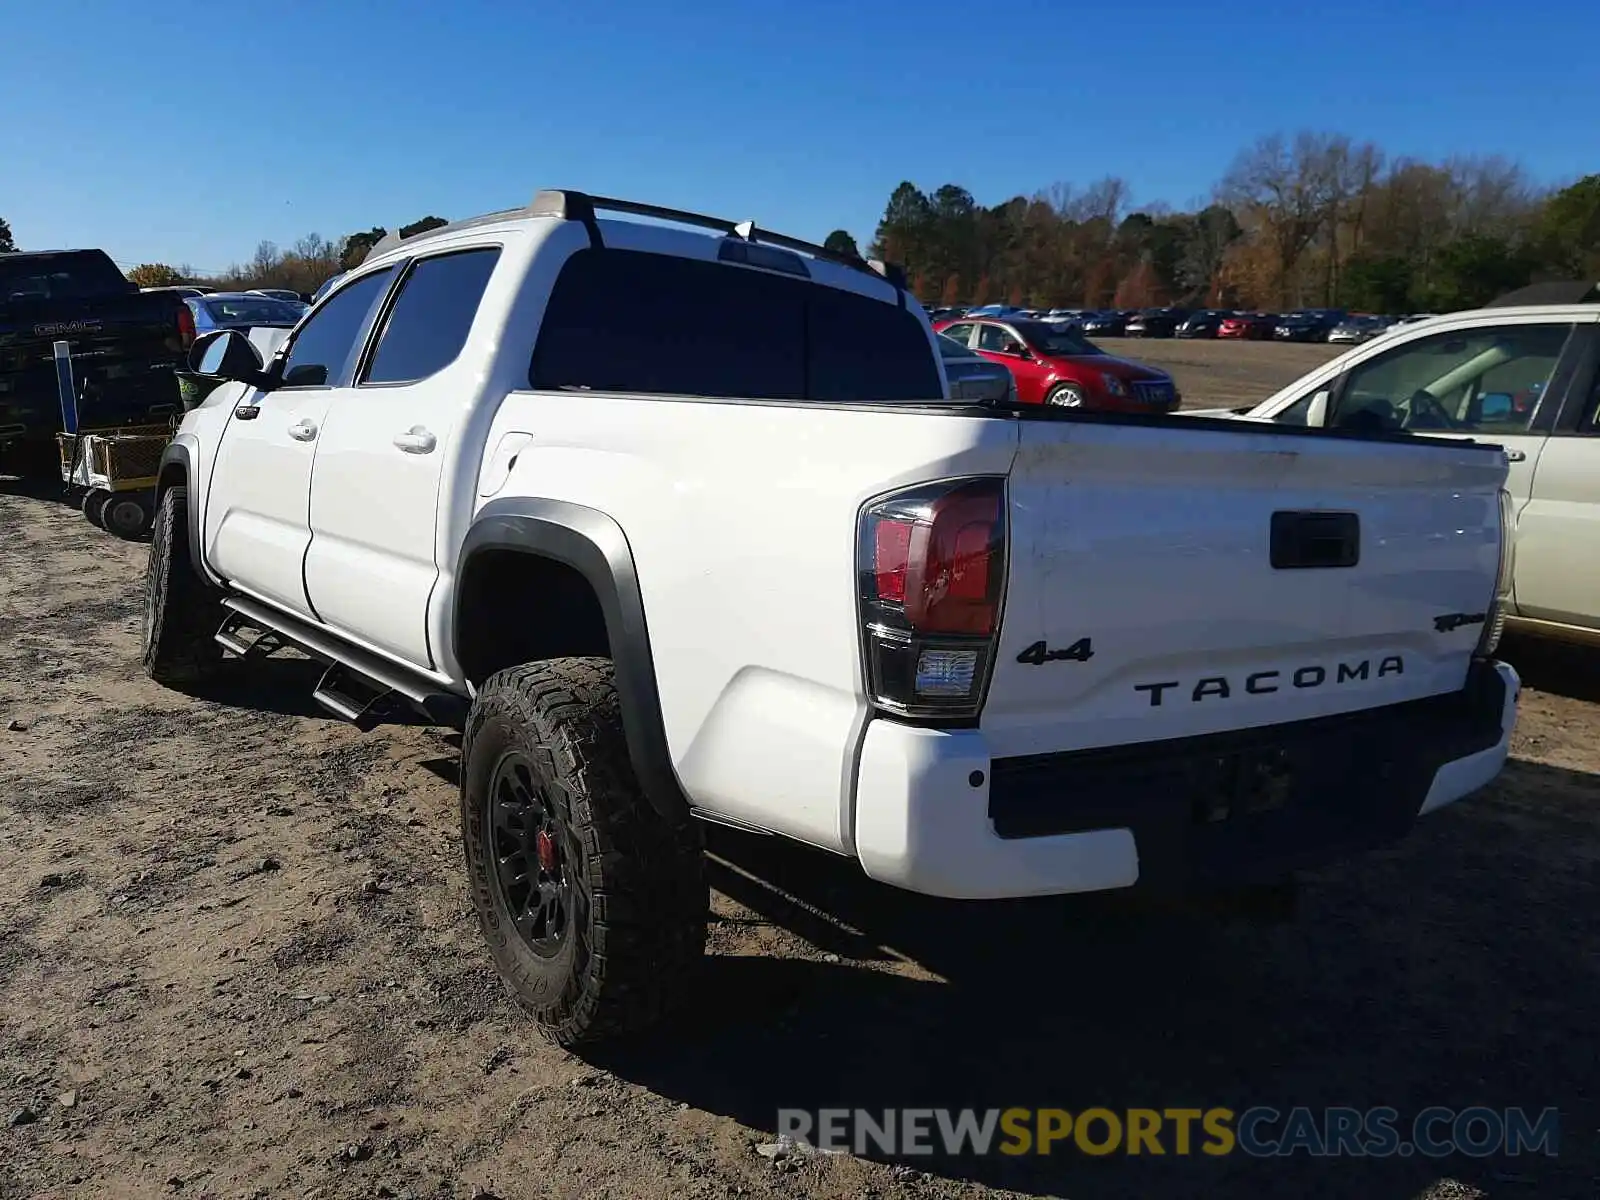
935,814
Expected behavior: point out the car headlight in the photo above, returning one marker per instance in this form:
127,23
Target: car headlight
1113,385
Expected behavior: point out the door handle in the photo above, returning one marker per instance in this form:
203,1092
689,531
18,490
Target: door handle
303,430
1516,456
416,440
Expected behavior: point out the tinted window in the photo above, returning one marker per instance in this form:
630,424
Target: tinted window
952,349
429,321
250,310
720,330
324,342
863,349
1489,379
60,276
961,333
997,339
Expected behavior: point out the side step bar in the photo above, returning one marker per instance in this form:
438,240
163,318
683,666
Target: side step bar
347,665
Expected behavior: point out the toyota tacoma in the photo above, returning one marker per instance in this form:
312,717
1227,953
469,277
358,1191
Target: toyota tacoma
748,562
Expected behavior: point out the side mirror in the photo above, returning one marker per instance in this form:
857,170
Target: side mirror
1317,413
228,355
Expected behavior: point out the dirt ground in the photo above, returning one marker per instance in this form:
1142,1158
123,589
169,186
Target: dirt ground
1224,374
237,960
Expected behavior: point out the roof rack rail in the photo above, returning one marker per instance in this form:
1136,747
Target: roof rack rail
579,206
390,240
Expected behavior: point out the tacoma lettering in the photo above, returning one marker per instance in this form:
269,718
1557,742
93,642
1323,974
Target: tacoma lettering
1263,683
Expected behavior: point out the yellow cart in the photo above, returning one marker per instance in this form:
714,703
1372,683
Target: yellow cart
116,471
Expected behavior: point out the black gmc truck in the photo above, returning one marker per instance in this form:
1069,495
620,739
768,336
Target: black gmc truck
125,346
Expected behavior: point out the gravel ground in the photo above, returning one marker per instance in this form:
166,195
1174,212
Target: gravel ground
237,960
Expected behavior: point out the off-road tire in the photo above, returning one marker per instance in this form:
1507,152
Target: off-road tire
1065,395
635,941
182,611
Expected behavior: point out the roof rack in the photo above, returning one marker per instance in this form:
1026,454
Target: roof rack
568,205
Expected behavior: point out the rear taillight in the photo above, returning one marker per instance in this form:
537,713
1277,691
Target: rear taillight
186,330
1495,625
932,569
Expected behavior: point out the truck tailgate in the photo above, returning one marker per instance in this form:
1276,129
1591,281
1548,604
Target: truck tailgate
1143,601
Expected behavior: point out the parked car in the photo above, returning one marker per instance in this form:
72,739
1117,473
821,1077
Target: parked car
243,310
1354,330
945,644
973,377
125,346
1156,322
1252,325
1106,323
1056,365
180,290
1203,324
1308,325
288,294
1519,377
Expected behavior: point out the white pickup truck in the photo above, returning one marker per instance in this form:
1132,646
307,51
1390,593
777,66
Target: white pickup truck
745,561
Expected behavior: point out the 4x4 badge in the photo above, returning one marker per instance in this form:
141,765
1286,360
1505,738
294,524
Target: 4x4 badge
1038,654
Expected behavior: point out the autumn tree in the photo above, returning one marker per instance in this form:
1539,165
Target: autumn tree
155,275
1283,194
358,245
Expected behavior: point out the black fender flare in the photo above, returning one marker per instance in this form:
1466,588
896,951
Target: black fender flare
594,545
177,454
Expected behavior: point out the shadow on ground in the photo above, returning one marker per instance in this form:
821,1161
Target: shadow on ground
1451,970
1557,667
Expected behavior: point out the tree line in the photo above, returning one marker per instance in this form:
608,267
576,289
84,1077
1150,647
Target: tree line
303,267
1311,220
1316,219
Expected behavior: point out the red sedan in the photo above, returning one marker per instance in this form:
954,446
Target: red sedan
1055,364
1247,325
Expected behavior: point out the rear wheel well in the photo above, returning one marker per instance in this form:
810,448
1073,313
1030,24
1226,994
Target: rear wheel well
515,608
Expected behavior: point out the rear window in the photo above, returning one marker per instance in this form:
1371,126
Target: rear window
251,310
726,331
73,274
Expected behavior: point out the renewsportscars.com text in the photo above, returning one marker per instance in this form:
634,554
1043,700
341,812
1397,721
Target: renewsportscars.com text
1260,1131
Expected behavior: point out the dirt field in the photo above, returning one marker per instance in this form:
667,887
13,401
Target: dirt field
237,960
1224,374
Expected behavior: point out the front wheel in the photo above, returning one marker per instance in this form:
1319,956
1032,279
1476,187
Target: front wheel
1065,395
182,612
593,905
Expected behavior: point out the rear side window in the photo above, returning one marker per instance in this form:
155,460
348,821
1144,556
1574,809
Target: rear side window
863,349
632,321
428,325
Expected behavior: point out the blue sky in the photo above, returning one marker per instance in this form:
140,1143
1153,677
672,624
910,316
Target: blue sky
189,132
